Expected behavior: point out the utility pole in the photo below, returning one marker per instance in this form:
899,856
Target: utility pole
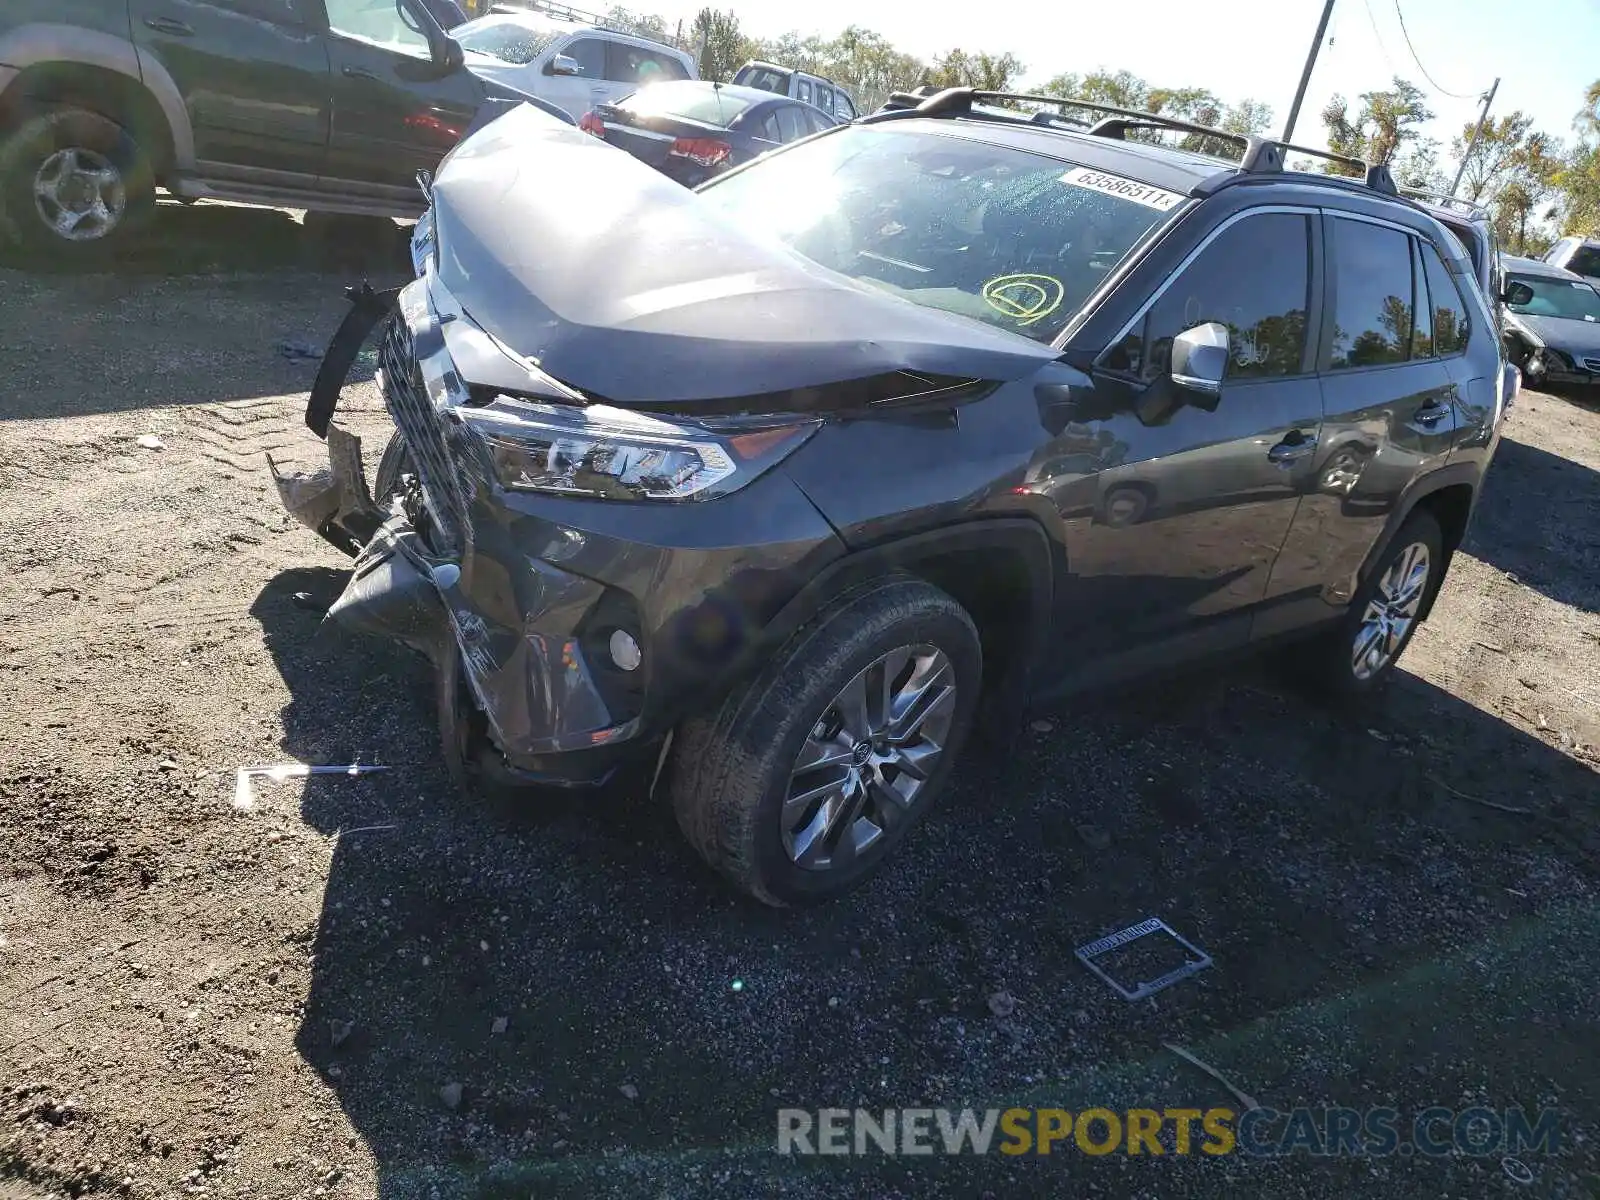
1477,132
1305,76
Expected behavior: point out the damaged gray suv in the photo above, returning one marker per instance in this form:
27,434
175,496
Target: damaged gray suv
782,486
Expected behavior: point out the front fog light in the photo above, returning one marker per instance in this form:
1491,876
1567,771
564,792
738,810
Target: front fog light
625,651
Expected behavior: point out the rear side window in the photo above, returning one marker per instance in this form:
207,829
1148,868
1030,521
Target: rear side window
843,107
1372,276
792,123
637,65
1253,277
824,99
1422,311
1449,313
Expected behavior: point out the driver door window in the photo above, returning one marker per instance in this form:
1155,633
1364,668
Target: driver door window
1254,278
379,22
590,55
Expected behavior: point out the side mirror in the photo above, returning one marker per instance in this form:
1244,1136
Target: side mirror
1199,361
1517,294
445,56
563,64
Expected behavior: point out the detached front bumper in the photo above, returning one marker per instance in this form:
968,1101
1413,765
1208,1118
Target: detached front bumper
1545,366
515,597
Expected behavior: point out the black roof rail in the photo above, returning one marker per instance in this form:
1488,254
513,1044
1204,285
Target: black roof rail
1271,156
1471,207
1117,127
1260,156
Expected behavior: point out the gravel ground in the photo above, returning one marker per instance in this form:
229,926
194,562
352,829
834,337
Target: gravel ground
368,986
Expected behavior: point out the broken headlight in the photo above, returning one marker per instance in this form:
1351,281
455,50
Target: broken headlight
604,452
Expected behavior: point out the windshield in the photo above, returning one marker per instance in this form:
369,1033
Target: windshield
1558,298
509,41
1586,261
706,103
1005,236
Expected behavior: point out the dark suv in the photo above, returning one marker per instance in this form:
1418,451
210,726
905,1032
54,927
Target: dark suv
786,483
324,105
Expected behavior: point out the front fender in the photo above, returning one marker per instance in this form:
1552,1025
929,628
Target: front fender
42,43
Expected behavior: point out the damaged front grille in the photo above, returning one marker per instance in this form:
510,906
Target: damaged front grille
444,492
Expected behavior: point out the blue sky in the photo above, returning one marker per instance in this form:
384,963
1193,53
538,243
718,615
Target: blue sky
1544,50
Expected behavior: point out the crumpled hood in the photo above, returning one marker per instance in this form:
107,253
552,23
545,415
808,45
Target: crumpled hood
1563,333
620,283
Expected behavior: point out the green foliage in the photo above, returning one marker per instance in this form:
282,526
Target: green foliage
1534,186
722,48
986,72
1382,130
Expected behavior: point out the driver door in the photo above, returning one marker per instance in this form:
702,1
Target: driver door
390,120
1173,532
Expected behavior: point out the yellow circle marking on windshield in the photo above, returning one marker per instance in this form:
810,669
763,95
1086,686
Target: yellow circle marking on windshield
1024,298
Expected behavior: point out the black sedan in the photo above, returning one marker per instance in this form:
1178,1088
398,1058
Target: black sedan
693,129
1552,328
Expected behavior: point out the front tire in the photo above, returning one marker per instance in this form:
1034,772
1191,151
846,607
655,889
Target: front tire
1360,656
74,186
810,776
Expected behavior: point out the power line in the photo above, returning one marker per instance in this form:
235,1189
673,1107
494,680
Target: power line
1378,37
1407,35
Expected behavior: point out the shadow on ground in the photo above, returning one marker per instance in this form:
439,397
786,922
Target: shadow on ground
221,303
1539,519
618,1024
185,239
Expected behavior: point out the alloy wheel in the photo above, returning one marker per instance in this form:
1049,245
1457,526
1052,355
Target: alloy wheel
80,194
867,758
1390,612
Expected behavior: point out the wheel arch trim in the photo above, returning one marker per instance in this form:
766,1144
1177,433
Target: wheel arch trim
1022,538
45,44
1456,475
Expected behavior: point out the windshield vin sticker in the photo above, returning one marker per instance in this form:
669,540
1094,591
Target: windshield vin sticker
1127,189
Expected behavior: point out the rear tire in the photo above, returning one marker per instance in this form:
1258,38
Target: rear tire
74,186
813,773
1360,655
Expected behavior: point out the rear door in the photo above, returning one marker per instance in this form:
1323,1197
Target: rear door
792,122
1390,414
254,77
1173,537
389,120
631,66
1450,318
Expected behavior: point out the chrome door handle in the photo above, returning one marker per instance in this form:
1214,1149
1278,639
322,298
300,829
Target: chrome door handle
1432,412
170,25
1287,452
359,73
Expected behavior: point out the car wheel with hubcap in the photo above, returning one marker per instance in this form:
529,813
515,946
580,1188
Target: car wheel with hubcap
808,777
73,185
1387,608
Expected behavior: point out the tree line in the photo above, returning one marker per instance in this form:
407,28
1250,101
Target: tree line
1537,185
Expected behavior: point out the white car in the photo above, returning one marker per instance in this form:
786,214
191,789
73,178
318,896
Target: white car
570,64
